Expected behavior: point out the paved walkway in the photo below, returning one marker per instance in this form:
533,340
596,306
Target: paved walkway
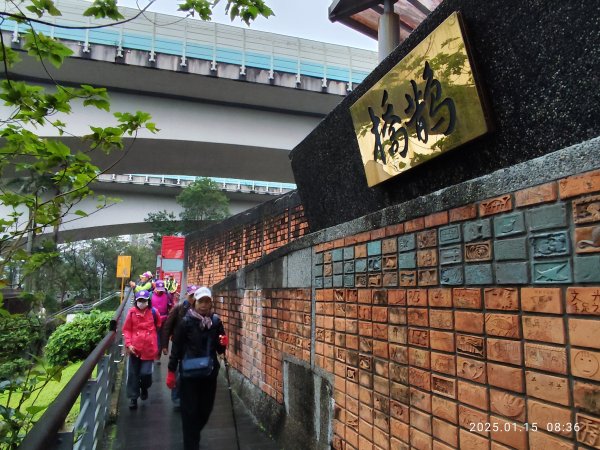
155,425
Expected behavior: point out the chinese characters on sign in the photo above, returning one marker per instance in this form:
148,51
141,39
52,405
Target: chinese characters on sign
427,104
417,105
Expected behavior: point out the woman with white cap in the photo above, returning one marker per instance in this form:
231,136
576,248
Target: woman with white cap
175,317
198,339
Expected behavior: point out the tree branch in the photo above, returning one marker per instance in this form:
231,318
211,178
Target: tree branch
68,27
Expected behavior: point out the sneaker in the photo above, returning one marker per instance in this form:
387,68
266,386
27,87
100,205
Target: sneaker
133,403
144,394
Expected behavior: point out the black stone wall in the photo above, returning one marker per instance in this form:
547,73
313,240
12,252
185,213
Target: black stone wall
539,63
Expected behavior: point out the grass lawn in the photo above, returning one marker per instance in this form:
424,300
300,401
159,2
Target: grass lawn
49,393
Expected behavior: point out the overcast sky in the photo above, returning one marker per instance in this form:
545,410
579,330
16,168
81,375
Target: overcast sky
306,19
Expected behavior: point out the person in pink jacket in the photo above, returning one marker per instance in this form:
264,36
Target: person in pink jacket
141,342
161,301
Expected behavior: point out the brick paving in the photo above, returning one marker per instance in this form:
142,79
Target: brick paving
155,425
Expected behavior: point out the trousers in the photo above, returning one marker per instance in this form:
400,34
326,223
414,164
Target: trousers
197,401
139,375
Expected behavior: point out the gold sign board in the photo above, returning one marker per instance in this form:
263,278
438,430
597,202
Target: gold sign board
123,266
427,104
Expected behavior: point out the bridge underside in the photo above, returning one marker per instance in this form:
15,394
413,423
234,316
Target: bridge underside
194,158
213,123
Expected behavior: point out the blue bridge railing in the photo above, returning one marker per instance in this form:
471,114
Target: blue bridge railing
191,38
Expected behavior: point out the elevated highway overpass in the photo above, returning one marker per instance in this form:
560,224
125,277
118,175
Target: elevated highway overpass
229,101
140,194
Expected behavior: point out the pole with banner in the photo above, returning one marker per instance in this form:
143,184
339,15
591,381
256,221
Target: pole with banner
123,271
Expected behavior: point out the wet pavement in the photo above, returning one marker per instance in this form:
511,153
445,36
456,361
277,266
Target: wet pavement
156,425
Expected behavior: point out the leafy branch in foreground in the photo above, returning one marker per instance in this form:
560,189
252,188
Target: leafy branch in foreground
44,177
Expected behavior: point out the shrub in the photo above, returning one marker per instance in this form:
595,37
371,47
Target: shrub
75,340
21,335
8,369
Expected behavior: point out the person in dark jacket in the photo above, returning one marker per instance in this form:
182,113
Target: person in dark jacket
176,314
175,317
200,333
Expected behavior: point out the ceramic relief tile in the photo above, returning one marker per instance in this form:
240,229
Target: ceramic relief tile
407,277
443,386
552,272
545,357
585,364
407,260
426,239
589,430
549,244
470,345
587,239
495,205
501,298
451,276
389,246
374,263
406,242
450,234
586,210
390,263
478,251
478,230
450,255
509,224
390,279
427,258
428,277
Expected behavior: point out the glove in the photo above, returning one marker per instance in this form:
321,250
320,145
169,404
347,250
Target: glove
171,380
224,340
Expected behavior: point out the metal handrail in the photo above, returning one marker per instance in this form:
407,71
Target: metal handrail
44,435
242,186
84,307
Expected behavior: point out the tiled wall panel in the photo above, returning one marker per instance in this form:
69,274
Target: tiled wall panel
468,328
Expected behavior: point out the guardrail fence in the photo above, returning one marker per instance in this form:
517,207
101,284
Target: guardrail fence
96,392
209,41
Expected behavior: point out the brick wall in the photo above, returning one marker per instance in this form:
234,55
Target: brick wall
466,327
463,328
225,249
263,325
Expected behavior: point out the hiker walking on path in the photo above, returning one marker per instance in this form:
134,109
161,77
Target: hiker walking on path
141,343
161,301
143,284
172,288
176,315
198,339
